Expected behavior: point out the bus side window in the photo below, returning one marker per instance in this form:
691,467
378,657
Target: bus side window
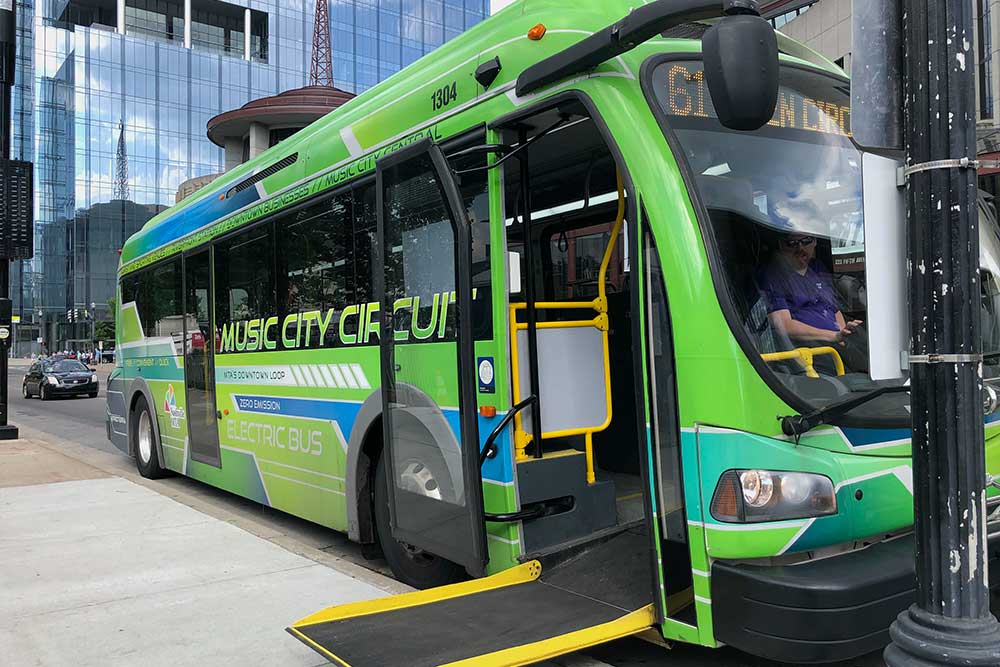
475,195
163,318
156,293
315,271
365,230
244,287
130,291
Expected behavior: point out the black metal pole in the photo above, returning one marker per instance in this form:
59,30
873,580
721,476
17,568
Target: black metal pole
951,623
531,314
8,37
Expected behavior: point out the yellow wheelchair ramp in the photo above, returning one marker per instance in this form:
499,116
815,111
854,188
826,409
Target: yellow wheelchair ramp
512,618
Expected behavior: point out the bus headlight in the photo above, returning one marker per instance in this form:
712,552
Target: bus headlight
750,496
758,487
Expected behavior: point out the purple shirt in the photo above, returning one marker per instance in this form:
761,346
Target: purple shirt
809,298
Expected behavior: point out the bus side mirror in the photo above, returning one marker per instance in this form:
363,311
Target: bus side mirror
885,267
741,70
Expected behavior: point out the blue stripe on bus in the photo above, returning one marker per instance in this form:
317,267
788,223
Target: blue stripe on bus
195,216
873,436
343,412
499,469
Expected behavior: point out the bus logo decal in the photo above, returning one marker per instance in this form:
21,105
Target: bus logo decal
170,407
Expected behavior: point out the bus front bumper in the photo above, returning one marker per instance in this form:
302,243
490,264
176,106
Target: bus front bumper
832,609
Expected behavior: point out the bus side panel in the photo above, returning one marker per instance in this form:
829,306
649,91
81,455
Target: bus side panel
165,379
153,359
290,415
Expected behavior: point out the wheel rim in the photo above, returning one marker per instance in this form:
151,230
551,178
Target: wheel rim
418,478
24,390
145,437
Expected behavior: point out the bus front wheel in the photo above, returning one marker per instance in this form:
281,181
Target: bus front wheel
409,564
144,441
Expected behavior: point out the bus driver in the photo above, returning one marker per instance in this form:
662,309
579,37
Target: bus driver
802,303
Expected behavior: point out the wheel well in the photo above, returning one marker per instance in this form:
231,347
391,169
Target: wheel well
371,450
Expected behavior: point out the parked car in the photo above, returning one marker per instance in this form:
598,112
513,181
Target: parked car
59,377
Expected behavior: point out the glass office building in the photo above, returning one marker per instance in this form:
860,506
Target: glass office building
148,74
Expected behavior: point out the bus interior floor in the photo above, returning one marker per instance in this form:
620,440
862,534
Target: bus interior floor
616,571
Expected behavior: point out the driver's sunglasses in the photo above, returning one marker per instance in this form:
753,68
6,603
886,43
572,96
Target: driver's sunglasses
803,242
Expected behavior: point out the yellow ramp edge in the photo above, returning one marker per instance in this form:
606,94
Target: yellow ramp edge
322,651
627,625
516,575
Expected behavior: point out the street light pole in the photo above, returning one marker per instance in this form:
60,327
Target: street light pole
8,42
951,623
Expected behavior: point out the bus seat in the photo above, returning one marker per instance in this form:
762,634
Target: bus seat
767,337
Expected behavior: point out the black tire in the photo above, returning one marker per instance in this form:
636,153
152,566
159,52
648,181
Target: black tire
24,391
92,394
416,568
140,427
43,392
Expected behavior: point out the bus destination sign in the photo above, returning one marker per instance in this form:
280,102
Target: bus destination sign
682,91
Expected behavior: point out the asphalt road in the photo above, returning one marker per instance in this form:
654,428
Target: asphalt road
81,420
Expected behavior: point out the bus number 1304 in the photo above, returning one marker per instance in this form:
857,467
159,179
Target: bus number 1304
444,96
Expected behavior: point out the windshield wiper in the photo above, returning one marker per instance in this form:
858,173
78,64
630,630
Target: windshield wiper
796,425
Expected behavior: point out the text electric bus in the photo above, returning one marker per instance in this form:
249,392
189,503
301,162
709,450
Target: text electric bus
528,312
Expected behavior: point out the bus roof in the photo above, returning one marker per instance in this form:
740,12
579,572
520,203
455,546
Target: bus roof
403,104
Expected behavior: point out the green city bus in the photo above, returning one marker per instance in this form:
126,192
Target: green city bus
517,316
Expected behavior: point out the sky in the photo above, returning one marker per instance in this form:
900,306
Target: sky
497,5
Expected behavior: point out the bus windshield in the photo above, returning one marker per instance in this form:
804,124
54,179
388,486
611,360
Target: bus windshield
785,209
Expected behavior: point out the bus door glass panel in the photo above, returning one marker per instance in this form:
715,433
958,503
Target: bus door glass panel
430,423
663,383
199,366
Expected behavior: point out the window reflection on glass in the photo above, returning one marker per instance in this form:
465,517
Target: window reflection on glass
989,282
419,253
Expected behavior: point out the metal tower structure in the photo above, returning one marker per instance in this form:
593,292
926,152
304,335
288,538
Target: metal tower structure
321,72
121,166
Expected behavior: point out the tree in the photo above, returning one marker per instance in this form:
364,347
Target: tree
104,331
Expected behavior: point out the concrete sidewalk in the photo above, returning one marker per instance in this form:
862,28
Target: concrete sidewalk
97,569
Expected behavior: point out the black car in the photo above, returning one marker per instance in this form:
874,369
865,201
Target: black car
59,377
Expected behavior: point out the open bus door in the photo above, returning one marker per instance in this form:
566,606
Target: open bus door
518,616
428,400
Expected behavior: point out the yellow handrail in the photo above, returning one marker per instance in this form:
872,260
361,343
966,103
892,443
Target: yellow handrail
602,290
600,305
557,305
804,355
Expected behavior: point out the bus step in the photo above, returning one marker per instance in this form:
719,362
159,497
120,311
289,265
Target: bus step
515,617
557,553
